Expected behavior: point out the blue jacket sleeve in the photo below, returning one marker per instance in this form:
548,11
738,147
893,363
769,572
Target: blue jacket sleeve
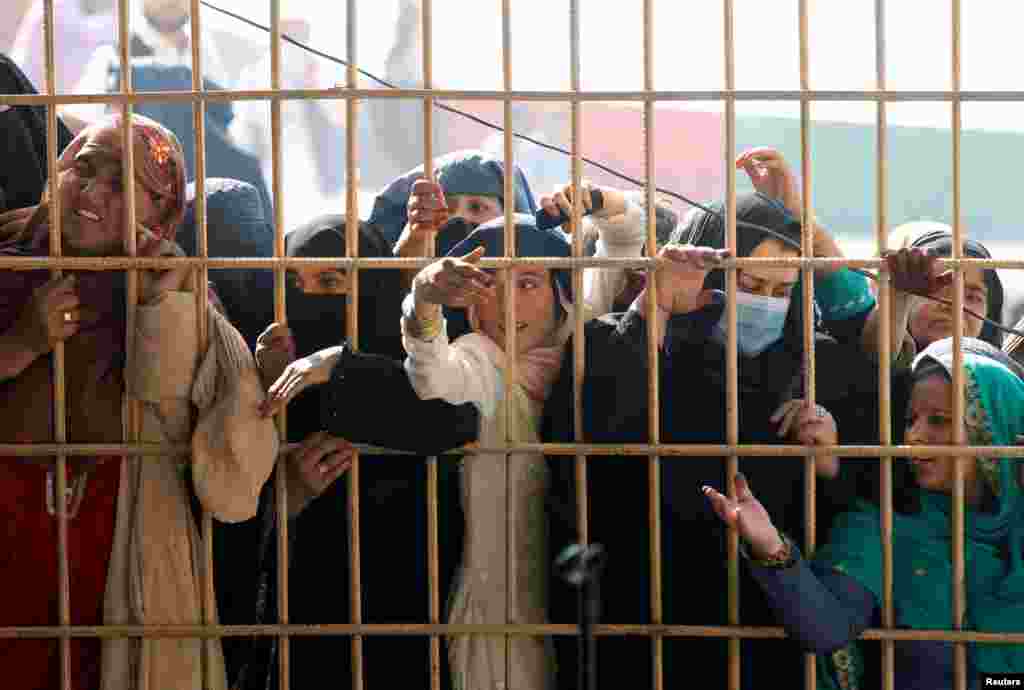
821,608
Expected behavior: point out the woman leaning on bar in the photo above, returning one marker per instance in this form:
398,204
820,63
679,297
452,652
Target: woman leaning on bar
826,603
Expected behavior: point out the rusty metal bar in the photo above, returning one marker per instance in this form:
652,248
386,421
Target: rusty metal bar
433,547
885,327
511,368
80,263
550,96
731,358
201,280
628,449
280,316
809,229
352,326
59,380
696,631
958,580
653,369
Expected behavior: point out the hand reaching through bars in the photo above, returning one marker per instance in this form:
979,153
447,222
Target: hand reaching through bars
915,271
771,175
680,277
275,350
810,426
427,209
560,203
313,370
50,317
454,282
316,464
152,284
747,515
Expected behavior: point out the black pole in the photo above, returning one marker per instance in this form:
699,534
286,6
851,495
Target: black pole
581,567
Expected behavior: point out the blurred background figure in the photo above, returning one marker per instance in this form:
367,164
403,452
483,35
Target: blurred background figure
81,27
160,29
312,132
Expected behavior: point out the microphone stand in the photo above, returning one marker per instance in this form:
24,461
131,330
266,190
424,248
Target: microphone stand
581,567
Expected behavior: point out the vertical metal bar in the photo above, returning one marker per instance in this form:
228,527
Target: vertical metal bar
59,392
280,316
352,326
653,397
731,360
209,600
511,370
958,584
579,334
433,547
885,297
807,272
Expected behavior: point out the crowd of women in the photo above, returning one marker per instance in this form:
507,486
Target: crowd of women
427,377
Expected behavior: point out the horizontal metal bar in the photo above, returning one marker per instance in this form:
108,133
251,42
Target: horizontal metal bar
394,629
637,449
121,263
341,93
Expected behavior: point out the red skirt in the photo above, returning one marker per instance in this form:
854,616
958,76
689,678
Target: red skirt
29,579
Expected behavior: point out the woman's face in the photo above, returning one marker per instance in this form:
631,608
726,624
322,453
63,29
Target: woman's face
930,422
92,198
769,281
535,309
931,321
475,209
320,280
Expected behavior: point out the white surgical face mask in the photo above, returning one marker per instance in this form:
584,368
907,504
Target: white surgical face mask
759,322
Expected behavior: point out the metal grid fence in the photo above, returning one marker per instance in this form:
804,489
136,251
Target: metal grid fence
349,98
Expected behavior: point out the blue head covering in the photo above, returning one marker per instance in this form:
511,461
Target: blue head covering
531,242
459,172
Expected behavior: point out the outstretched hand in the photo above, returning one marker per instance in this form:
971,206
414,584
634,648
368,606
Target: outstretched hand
771,175
454,282
746,514
680,277
313,370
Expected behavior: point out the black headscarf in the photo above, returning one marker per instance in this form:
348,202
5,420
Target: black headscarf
318,321
778,367
23,142
940,243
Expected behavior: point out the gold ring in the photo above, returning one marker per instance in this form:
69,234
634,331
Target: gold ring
67,317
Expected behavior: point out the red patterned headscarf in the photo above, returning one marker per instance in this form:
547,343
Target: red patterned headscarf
159,164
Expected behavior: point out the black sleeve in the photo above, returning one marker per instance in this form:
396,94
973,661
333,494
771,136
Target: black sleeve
370,400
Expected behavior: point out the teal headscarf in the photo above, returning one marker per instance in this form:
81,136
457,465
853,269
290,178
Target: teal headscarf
922,567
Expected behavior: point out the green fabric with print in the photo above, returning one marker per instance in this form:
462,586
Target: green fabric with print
922,568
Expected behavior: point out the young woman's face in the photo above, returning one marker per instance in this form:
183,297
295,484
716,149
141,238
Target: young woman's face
931,321
930,423
318,280
475,209
93,199
535,309
769,281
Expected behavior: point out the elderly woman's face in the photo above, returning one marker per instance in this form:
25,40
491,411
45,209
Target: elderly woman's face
93,199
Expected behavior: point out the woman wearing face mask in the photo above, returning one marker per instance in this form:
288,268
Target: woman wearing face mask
692,383
825,604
